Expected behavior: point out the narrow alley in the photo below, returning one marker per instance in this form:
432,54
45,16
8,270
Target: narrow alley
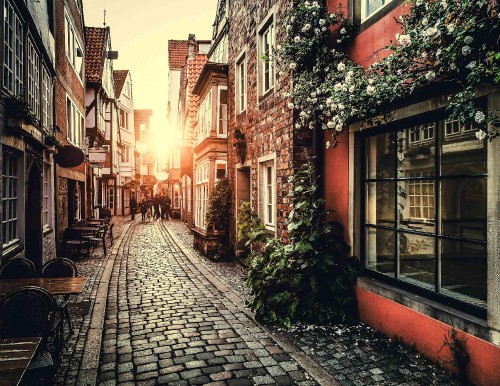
171,320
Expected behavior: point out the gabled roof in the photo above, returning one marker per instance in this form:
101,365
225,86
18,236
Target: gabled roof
177,54
95,52
119,77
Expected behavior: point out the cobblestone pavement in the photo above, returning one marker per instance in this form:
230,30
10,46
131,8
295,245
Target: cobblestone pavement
167,324
353,355
80,308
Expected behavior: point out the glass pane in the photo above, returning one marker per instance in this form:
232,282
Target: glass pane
463,154
416,205
380,156
417,259
463,270
463,208
416,151
380,250
380,203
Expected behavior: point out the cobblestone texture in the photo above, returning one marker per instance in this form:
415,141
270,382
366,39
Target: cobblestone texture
354,355
167,324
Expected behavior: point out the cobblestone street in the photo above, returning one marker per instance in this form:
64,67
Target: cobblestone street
173,317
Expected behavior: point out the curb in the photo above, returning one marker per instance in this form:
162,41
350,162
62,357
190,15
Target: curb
92,351
318,373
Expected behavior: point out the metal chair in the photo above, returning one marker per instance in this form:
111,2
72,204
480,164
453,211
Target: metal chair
74,243
100,238
27,312
61,267
18,268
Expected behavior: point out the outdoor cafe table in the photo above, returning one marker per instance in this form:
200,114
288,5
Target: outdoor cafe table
15,356
85,229
54,285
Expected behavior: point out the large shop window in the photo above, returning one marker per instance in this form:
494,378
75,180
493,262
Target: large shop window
425,209
10,232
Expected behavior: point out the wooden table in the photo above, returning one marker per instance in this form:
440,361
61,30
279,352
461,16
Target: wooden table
15,356
56,285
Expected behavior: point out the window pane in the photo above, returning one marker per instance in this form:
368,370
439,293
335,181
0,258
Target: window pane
417,259
413,158
380,155
463,208
416,205
463,270
380,203
463,155
380,250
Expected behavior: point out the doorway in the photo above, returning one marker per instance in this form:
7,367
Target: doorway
33,220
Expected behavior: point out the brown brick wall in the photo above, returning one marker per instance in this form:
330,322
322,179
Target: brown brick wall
267,122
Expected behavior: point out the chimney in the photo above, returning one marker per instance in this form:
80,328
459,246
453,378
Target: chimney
191,45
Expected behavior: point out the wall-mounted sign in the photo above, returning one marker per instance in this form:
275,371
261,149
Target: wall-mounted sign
97,156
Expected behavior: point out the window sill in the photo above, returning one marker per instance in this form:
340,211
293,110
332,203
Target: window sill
11,250
444,313
381,13
264,96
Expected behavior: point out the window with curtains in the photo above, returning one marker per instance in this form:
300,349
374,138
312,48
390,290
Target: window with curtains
425,209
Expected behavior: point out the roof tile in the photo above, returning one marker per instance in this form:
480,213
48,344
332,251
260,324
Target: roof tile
94,51
177,54
119,77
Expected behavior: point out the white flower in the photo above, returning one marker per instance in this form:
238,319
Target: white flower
296,39
338,127
419,2
350,73
468,39
290,105
339,41
466,50
293,66
425,21
306,27
330,124
328,100
479,117
351,89
444,4
311,125
481,135
370,90
307,4
315,4
328,144
348,79
430,76
432,33
450,28
371,80
313,94
337,87
297,125
322,22
471,65
288,27
341,66
341,106
404,40
343,31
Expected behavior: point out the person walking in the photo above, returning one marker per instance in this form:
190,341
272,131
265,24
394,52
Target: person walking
168,202
163,205
156,205
133,207
143,206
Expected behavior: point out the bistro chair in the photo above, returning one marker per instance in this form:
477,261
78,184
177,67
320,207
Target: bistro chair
18,268
99,238
74,243
28,312
61,267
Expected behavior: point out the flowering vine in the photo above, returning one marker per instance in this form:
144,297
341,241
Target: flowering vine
453,44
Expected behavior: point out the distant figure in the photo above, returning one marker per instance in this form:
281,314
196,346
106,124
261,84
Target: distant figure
143,206
168,202
105,213
162,205
156,205
133,207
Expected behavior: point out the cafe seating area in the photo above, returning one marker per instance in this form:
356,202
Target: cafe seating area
33,310
82,238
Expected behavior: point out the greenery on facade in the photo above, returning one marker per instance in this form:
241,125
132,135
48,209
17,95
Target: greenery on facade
308,279
451,43
219,205
17,108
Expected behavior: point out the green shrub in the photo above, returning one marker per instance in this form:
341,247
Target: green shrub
219,205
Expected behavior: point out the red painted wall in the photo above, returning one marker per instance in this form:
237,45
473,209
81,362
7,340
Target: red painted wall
427,335
336,170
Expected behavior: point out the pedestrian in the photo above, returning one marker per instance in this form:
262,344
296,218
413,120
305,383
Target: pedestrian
168,202
143,206
133,207
156,205
163,205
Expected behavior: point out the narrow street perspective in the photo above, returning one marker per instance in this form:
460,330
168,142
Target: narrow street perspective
250,192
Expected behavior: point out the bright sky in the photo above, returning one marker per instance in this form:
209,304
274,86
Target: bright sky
140,31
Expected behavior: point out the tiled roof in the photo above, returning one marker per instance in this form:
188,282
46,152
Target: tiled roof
94,52
195,66
177,54
119,77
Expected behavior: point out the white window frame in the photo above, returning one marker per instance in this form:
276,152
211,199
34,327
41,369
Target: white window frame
46,194
267,191
220,110
33,86
13,62
364,9
457,128
416,197
266,38
10,199
75,123
46,100
216,168
205,117
241,83
201,197
71,46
